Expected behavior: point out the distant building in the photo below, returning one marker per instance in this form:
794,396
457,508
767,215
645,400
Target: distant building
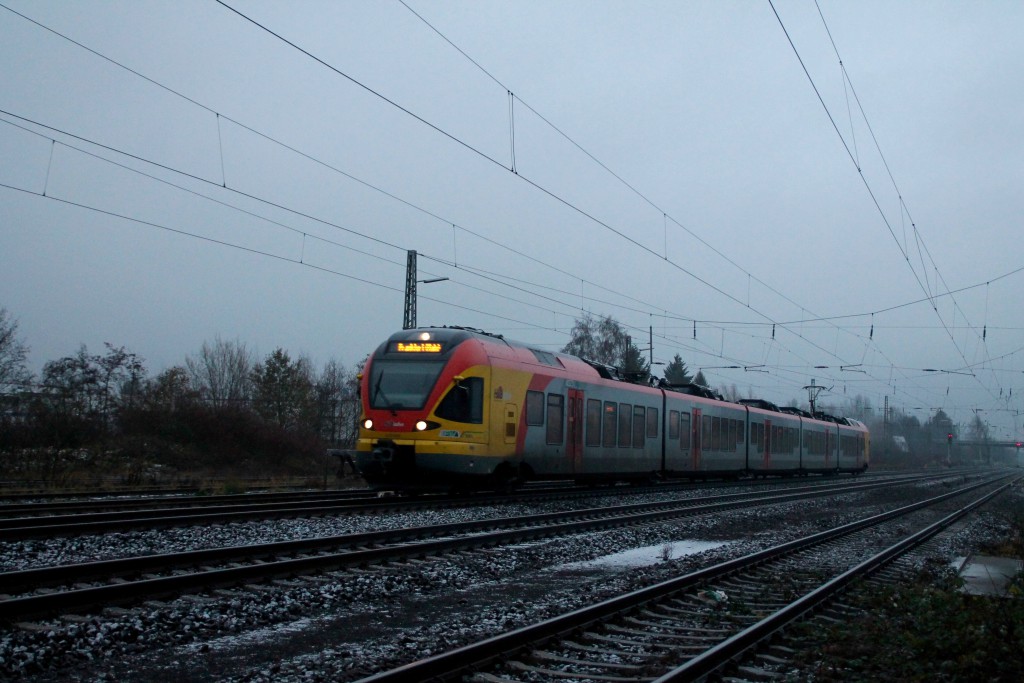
901,444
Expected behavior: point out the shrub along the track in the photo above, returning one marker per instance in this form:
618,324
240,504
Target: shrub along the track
929,630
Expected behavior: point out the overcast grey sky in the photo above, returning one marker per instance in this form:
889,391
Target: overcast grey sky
662,162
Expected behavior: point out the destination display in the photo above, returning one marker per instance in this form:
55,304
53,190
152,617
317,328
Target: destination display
417,347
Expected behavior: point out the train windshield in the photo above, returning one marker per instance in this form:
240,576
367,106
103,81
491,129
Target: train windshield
402,384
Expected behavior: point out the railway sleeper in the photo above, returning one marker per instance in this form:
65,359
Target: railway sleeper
757,673
581,675
771,659
75,618
782,650
725,632
670,612
544,655
685,637
594,649
655,643
491,678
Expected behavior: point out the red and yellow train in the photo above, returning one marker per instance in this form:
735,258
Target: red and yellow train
455,408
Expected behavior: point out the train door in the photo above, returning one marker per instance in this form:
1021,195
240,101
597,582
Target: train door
574,444
828,447
696,440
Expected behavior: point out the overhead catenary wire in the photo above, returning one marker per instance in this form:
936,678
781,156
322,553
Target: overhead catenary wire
609,170
224,182
926,289
531,182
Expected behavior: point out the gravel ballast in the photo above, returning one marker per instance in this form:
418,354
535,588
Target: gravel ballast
345,625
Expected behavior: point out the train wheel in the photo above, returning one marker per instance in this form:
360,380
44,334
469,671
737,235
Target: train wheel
507,478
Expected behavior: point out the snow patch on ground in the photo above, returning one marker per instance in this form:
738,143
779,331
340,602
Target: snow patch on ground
645,556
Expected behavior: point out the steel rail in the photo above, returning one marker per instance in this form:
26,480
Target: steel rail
137,502
719,655
475,534
69,525
482,653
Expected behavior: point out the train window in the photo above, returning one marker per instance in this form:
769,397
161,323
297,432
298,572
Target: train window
716,433
402,384
673,424
625,424
739,431
730,440
611,421
638,426
684,431
464,402
556,418
652,423
534,407
593,422
705,432
812,443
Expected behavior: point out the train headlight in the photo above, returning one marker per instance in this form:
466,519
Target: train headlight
368,424
421,426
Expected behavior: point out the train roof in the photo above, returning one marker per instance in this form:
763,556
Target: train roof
451,336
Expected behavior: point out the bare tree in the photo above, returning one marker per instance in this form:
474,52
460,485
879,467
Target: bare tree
221,372
730,392
13,353
337,403
605,340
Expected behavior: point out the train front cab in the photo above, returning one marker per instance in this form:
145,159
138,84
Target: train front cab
426,420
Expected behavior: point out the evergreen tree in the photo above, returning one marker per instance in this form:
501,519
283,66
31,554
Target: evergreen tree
283,390
676,372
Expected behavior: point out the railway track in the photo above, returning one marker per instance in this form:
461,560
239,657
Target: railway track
87,586
687,628
106,503
45,520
